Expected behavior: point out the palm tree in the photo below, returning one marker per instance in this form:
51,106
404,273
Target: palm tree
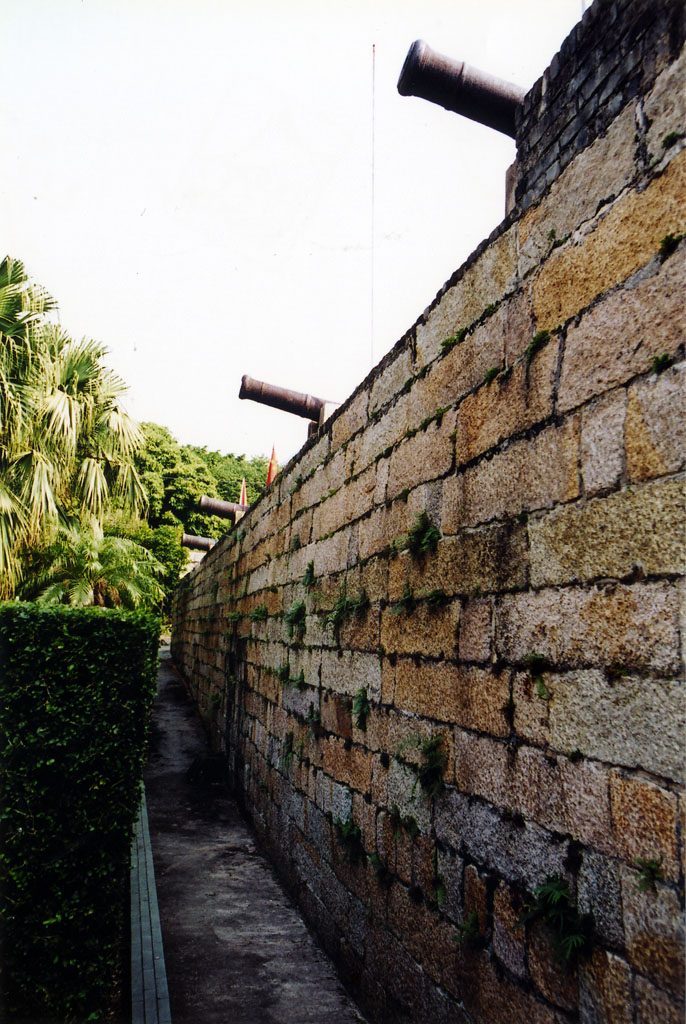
82,567
66,445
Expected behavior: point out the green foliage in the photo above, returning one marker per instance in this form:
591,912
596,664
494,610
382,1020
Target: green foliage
455,339
384,876
81,567
295,619
671,138
361,708
468,932
406,822
435,598
422,536
66,443
234,617
308,576
288,751
489,310
76,688
649,872
297,682
259,614
537,665
350,837
430,771
668,245
405,604
175,476
296,544
537,342
345,607
661,363
552,904
490,375
283,673
313,720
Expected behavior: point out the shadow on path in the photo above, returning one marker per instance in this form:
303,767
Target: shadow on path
236,949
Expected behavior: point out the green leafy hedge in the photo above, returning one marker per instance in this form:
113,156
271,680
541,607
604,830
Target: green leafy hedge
76,691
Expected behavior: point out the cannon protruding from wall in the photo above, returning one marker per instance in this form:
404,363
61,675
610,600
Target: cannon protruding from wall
217,507
197,543
461,88
308,406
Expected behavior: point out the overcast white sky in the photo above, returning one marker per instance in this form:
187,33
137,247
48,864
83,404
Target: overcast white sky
192,183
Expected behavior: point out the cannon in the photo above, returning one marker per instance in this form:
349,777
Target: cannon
308,406
461,88
217,507
197,543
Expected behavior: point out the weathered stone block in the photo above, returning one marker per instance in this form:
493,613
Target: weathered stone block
656,425
599,892
558,983
586,803
346,671
351,419
654,928
629,721
508,940
524,854
391,380
602,442
608,163
619,337
476,629
511,403
665,107
645,820
527,475
622,241
483,768
605,990
623,625
427,631
426,456
654,1004
612,536
486,281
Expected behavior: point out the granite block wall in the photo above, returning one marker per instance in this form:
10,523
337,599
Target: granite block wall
443,654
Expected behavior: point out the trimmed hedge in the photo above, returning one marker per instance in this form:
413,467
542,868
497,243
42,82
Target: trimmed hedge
76,692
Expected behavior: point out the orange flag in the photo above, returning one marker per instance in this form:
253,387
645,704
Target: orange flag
243,500
273,468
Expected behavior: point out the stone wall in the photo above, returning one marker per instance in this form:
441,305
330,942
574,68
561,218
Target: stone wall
443,652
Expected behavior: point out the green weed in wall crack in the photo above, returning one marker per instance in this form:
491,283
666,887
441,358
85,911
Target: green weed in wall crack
422,536
295,619
361,708
350,837
649,872
570,931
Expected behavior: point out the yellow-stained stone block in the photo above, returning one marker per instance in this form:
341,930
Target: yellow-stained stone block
656,425
513,402
622,241
427,455
486,281
609,163
620,337
612,536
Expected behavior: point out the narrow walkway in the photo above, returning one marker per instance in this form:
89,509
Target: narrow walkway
236,950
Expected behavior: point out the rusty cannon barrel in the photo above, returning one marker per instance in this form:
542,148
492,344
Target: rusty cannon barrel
217,507
197,543
459,87
307,406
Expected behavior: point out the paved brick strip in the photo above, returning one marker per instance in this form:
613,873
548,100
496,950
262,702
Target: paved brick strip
149,992
236,949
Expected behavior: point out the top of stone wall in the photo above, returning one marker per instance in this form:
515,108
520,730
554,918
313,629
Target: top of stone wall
609,58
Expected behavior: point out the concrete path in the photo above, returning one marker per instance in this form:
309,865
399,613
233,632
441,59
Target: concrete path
236,949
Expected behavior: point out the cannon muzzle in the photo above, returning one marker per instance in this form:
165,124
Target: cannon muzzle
197,543
461,88
307,406
217,507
